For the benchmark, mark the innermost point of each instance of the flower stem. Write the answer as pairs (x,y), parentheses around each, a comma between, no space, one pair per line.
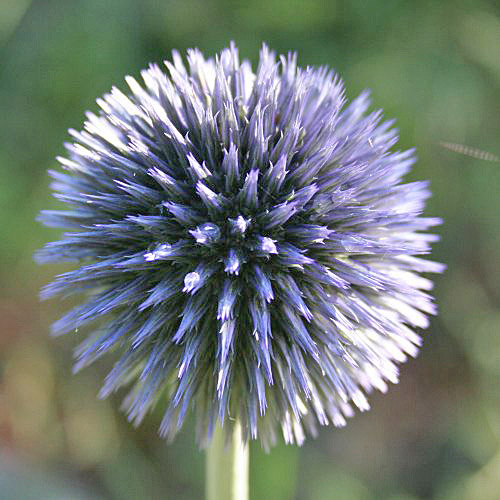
(227,467)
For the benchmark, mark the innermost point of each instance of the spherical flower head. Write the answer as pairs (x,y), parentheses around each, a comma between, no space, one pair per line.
(247,246)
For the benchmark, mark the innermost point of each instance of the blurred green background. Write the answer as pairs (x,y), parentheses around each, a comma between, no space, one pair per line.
(433,65)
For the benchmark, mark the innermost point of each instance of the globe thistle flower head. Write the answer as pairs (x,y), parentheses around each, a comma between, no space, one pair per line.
(246,246)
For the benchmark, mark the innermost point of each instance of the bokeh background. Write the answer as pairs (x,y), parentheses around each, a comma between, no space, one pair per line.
(435,66)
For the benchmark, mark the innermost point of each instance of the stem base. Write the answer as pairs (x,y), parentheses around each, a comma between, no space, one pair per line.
(227,467)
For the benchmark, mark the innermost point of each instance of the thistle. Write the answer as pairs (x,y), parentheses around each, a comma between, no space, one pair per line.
(246,245)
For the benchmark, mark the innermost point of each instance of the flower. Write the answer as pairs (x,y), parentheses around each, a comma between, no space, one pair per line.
(247,248)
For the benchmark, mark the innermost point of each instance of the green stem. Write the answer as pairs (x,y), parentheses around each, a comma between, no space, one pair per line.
(227,467)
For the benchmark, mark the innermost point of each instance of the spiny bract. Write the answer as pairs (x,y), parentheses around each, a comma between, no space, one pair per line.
(247,248)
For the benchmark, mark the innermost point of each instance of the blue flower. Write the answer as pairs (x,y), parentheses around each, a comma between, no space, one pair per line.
(246,246)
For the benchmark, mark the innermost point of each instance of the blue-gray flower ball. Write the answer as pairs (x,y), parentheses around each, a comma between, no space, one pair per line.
(246,246)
